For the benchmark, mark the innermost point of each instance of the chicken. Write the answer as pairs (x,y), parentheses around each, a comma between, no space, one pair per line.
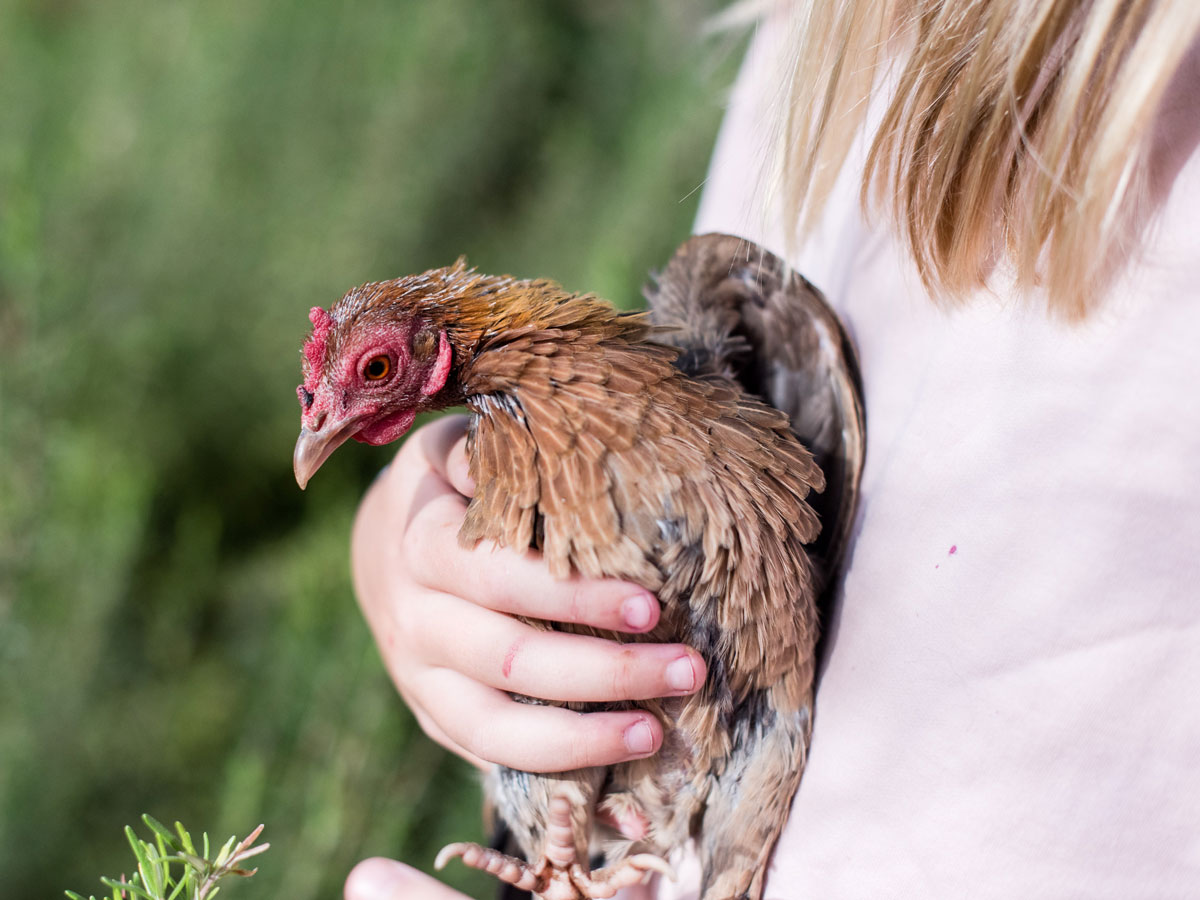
(615,454)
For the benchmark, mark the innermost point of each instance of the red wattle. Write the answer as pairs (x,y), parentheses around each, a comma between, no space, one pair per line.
(387,429)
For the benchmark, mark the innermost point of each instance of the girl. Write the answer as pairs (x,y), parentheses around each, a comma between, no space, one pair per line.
(1002,200)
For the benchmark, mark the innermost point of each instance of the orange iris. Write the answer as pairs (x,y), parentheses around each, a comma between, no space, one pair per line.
(378,368)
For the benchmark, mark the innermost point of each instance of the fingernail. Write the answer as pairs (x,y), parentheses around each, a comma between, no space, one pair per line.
(637,611)
(639,738)
(680,674)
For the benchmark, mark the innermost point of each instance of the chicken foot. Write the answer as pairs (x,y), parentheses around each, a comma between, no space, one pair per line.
(559,875)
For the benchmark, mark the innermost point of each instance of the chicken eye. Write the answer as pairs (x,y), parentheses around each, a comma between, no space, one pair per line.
(377,368)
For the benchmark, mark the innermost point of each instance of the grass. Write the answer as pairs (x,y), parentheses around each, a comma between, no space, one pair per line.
(179,183)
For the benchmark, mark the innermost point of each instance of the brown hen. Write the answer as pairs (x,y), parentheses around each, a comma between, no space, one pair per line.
(625,448)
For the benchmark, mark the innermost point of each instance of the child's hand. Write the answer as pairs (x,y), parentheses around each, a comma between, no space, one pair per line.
(385,879)
(438,613)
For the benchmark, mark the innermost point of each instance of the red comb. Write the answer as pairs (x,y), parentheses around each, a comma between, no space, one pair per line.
(314,347)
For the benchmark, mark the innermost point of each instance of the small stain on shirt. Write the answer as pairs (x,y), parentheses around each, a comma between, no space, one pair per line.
(953,549)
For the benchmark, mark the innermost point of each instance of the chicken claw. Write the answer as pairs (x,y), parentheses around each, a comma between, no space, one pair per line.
(559,874)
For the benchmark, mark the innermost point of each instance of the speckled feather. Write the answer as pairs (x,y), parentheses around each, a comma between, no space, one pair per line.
(617,455)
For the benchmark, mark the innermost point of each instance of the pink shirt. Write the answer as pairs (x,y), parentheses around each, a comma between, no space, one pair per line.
(1011,702)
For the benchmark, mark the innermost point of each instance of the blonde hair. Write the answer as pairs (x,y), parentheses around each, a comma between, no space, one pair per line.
(1013,129)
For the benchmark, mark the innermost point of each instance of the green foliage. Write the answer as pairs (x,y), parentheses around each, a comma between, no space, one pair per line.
(171,868)
(179,182)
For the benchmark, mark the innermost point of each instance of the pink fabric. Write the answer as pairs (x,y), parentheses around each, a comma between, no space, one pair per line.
(1011,704)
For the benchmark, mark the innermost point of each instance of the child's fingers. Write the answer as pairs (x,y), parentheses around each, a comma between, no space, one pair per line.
(533,738)
(518,583)
(502,652)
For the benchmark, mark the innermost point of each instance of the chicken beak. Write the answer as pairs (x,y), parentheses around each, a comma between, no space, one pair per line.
(314,447)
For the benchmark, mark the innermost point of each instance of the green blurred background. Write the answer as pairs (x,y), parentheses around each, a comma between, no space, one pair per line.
(179,183)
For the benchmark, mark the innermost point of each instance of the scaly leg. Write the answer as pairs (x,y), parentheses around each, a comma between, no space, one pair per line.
(559,875)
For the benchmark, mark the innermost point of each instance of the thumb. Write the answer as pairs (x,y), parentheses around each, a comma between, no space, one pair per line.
(444,444)
(386,879)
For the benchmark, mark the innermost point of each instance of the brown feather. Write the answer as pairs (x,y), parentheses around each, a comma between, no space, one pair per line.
(618,456)
(704,455)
